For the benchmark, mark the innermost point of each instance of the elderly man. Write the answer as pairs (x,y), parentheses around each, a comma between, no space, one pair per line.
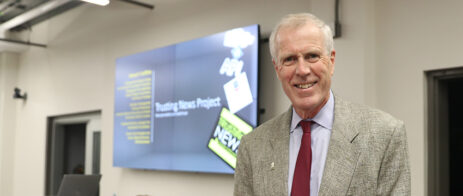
(322,145)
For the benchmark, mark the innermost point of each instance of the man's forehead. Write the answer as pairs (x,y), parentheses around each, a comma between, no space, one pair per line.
(304,35)
(297,26)
(301,34)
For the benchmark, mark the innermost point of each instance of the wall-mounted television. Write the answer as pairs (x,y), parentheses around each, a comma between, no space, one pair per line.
(185,107)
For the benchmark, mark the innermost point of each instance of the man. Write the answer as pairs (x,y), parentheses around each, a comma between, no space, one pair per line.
(351,149)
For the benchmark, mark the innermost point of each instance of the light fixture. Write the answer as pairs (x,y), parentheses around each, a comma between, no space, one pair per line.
(98,2)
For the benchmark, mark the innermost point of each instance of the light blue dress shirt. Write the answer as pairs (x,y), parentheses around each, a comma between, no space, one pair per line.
(321,127)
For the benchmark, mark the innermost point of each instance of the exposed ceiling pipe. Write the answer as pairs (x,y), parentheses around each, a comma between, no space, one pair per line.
(29,15)
(34,16)
(23,42)
(145,5)
(337,24)
(7,4)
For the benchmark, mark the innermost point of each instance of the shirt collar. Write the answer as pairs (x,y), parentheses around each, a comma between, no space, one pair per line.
(324,117)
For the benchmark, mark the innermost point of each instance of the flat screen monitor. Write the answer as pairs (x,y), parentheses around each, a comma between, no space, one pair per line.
(185,107)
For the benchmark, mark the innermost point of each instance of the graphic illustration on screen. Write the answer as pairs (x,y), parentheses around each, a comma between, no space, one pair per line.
(237,90)
(227,136)
(185,107)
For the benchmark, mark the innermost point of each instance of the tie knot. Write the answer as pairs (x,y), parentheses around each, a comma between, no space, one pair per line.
(305,126)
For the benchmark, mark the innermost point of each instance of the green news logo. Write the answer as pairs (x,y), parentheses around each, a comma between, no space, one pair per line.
(227,136)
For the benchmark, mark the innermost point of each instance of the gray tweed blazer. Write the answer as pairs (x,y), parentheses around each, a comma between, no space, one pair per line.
(367,155)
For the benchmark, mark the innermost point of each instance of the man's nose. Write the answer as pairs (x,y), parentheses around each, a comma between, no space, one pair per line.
(302,66)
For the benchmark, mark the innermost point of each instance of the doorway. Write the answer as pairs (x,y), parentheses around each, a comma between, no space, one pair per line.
(445,134)
(73,147)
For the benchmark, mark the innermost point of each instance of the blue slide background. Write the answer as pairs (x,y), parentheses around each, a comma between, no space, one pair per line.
(184,71)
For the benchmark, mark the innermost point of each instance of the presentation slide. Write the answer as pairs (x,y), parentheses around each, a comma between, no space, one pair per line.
(185,107)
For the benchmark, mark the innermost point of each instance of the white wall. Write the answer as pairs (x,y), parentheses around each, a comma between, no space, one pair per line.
(8,80)
(385,47)
(414,36)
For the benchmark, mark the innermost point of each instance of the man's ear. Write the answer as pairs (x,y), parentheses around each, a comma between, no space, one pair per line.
(276,67)
(332,59)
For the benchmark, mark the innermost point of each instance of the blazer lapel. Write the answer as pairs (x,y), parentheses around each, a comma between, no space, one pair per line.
(277,182)
(342,154)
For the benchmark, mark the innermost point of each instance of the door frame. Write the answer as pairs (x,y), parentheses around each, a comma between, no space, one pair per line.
(55,127)
(437,120)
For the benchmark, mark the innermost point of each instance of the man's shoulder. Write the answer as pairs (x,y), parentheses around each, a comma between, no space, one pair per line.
(365,114)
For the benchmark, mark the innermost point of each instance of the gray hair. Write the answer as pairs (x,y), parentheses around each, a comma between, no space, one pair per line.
(298,20)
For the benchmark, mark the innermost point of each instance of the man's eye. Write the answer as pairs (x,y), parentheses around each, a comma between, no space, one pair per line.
(312,57)
(289,60)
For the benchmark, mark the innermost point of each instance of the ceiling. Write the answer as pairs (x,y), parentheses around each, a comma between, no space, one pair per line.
(19,15)
(16,9)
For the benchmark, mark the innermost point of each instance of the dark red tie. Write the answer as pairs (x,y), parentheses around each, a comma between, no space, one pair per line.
(301,178)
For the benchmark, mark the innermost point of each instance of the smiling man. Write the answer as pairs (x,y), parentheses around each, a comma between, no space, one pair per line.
(322,145)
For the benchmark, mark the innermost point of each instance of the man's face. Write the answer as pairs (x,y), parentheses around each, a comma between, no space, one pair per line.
(304,68)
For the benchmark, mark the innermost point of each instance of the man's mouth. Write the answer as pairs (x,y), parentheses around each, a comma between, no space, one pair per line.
(304,86)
